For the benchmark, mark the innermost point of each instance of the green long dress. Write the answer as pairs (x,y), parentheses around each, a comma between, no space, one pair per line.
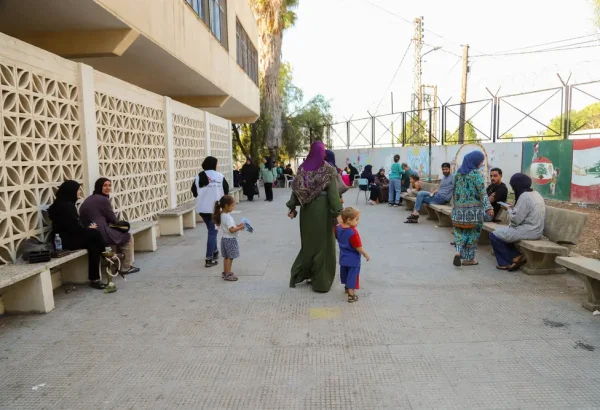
(317,259)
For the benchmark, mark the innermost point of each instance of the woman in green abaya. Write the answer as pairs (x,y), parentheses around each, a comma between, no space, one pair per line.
(315,190)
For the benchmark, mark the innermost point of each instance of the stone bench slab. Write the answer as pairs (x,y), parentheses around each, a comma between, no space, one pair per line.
(144,236)
(174,221)
(180,210)
(545,247)
(589,271)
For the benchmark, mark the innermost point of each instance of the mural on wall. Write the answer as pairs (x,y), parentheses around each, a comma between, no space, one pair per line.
(549,163)
(467,149)
(378,158)
(418,160)
(585,180)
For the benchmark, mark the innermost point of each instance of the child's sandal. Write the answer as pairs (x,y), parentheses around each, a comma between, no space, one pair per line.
(352,298)
(230,277)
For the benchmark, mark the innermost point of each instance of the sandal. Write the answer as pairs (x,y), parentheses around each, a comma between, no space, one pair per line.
(502,267)
(352,298)
(230,277)
(456,261)
(410,220)
(517,265)
(345,290)
(471,263)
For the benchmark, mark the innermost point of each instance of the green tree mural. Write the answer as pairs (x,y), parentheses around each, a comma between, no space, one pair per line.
(540,171)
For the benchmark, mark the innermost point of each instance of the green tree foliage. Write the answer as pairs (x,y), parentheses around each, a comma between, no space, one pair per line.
(470,135)
(587,118)
(301,123)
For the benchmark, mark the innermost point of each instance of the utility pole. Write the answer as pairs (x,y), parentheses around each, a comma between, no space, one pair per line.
(416,103)
(463,95)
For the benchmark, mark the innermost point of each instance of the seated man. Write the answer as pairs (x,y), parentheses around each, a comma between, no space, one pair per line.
(440,196)
(288,170)
(405,183)
(497,192)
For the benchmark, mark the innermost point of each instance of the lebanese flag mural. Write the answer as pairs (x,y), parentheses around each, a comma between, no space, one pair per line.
(585,181)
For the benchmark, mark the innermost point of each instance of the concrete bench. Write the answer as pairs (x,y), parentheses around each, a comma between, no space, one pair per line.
(29,288)
(562,229)
(174,221)
(443,213)
(144,236)
(410,200)
(236,193)
(589,271)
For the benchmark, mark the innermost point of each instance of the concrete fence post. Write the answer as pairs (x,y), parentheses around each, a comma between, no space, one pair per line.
(170,150)
(89,136)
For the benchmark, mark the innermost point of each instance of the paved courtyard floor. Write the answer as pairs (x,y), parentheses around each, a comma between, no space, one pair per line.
(424,334)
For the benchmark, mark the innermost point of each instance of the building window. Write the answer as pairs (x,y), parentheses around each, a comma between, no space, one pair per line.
(214,14)
(247,57)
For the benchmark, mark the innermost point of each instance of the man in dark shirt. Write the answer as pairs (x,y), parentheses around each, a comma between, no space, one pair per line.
(497,191)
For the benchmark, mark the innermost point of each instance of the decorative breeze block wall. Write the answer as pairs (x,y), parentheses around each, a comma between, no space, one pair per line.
(190,150)
(40,148)
(132,154)
(220,140)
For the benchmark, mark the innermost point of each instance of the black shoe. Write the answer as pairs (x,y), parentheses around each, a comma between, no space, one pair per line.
(210,263)
(97,285)
(132,269)
(215,255)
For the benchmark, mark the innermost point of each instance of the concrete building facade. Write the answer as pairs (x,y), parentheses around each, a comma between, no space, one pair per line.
(136,91)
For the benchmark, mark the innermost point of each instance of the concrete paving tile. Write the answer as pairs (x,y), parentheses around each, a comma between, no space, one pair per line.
(424,335)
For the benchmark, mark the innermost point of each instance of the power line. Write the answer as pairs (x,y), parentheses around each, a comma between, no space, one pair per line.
(394,77)
(564,48)
(546,44)
(411,22)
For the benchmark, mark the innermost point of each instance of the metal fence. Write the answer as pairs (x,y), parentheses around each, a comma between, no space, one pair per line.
(553,113)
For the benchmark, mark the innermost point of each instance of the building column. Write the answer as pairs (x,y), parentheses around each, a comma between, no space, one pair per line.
(207,132)
(230,153)
(89,137)
(170,146)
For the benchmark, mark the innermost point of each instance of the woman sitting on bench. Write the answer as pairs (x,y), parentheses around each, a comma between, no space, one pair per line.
(74,236)
(526,222)
(97,209)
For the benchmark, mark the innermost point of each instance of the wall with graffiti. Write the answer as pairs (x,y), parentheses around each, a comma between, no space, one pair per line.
(506,156)
(548,163)
(560,170)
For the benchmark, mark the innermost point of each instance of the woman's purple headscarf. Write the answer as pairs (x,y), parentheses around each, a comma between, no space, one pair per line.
(315,158)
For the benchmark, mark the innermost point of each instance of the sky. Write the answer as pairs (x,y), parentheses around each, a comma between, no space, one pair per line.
(349,50)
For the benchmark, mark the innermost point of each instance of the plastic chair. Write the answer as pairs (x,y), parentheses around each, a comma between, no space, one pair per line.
(288,180)
(363,186)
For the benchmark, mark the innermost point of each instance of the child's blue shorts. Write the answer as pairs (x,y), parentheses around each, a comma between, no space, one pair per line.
(350,276)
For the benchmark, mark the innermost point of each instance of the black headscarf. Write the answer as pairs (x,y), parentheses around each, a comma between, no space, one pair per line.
(520,183)
(249,171)
(209,164)
(368,173)
(269,164)
(63,212)
(99,185)
(67,191)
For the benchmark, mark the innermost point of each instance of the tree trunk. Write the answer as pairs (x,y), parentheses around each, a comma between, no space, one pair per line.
(270,28)
(236,134)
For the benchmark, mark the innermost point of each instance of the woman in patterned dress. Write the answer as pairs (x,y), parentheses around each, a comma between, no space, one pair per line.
(470,204)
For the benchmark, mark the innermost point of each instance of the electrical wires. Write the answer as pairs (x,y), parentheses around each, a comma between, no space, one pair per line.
(394,77)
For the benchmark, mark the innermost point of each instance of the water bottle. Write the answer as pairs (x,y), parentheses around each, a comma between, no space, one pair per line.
(57,243)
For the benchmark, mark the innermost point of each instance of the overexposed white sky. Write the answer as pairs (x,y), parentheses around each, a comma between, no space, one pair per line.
(348,50)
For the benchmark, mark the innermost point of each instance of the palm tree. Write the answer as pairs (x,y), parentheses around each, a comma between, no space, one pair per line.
(273,17)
